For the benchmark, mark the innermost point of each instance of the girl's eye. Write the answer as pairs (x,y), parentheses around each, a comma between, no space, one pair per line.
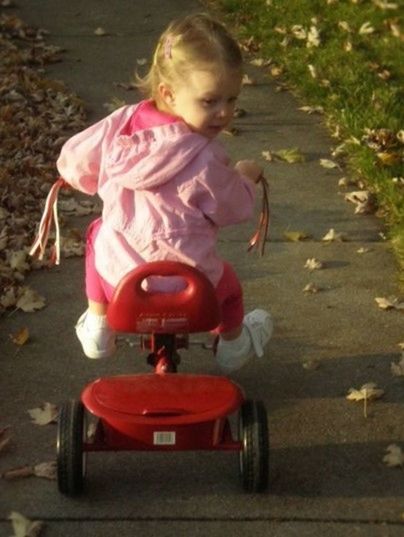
(208,102)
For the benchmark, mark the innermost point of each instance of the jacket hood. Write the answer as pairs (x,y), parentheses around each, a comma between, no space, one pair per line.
(152,157)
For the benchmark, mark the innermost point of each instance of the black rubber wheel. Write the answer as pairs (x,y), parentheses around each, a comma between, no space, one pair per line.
(254,455)
(71,459)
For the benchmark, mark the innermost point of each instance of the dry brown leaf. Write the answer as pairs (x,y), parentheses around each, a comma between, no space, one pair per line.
(394,456)
(296,236)
(312,109)
(366,29)
(311,288)
(327,163)
(364,201)
(291,155)
(20,337)
(389,158)
(231,131)
(332,235)
(4,438)
(388,303)
(100,32)
(29,300)
(47,470)
(23,527)
(48,413)
(313,37)
(397,368)
(267,156)
(18,473)
(368,391)
(313,264)
(248,81)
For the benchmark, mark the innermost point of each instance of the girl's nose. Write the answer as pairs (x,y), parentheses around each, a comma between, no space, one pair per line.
(223,110)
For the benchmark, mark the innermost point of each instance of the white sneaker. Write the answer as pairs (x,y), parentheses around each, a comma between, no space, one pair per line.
(257,331)
(260,327)
(96,337)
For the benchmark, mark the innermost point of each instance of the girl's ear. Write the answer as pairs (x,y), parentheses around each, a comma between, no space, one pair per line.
(166,94)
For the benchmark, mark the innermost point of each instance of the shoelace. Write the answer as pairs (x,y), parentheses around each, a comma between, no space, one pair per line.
(49,217)
(260,236)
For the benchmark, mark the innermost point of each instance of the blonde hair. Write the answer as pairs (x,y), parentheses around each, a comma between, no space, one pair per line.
(187,43)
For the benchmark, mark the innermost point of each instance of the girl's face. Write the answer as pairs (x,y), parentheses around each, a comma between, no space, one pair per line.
(205,99)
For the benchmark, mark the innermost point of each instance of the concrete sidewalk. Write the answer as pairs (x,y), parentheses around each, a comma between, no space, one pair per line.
(327,474)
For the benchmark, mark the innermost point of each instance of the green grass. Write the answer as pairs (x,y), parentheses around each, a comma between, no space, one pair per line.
(358,82)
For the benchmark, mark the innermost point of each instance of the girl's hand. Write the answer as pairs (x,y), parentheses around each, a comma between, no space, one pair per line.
(250,169)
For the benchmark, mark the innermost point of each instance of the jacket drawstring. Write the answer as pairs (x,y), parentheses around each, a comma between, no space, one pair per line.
(49,216)
(260,236)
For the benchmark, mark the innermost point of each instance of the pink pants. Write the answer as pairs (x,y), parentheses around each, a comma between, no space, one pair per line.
(228,291)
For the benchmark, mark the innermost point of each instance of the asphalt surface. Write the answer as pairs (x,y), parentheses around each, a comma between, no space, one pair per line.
(327,475)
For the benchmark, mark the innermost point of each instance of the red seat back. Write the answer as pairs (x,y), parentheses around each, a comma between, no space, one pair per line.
(193,309)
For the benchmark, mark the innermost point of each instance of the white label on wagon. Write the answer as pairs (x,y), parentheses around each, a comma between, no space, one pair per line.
(164,438)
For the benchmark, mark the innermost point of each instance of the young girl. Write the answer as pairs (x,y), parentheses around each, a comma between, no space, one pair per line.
(167,186)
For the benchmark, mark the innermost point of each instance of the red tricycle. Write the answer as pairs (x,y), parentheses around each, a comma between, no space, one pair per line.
(163,410)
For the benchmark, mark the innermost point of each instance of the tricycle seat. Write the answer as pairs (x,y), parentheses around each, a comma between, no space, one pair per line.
(179,399)
(135,309)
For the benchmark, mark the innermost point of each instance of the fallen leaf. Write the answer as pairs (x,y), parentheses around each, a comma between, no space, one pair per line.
(368,391)
(4,438)
(327,163)
(23,527)
(365,202)
(267,156)
(29,300)
(389,158)
(232,131)
(384,4)
(299,32)
(20,337)
(47,470)
(260,62)
(366,29)
(46,414)
(388,303)
(394,456)
(345,181)
(344,26)
(397,368)
(312,70)
(311,288)
(312,109)
(248,81)
(100,32)
(291,155)
(313,264)
(295,236)
(17,473)
(332,235)
(313,37)
(363,250)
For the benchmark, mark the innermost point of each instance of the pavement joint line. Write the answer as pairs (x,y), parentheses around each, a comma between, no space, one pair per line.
(282,520)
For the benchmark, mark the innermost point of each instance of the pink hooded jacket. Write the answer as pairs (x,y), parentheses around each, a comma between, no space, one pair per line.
(165,190)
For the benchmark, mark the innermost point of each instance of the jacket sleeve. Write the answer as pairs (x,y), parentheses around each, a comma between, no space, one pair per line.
(81,156)
(224,195)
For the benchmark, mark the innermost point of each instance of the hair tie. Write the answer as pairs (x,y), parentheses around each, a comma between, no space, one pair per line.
(168,45)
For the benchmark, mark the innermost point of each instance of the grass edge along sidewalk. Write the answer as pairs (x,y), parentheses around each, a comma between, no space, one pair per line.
(343,58)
